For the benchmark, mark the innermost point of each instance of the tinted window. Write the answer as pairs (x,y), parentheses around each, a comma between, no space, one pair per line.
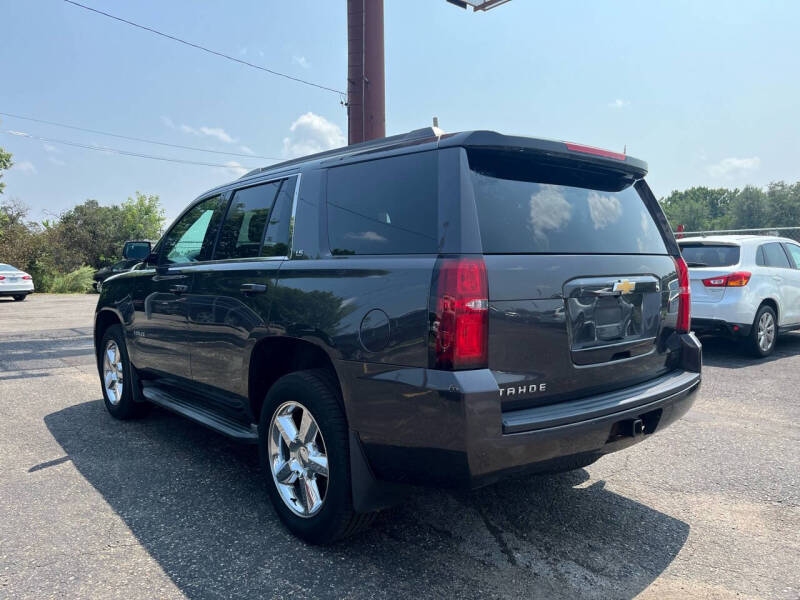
(794,252)
(248,215)
(760,260)
(5,267)
(191,239)
(775,256)
(384,206)
(276,241)
(710,255)
(518,215)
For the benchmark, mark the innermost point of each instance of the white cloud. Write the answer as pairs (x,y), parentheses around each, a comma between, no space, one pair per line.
(215,132)
(56,161)
(619,104)
(301,60)
(168,122)
(187,129)
(604,210)
(236,169)
(728,167)
(25,166)
(246,150)
(52,149)
(312,133)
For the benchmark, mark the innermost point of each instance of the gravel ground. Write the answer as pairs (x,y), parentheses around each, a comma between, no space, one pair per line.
(162,508)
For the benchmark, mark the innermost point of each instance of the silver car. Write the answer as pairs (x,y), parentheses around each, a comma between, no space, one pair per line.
(14,282)
(745,286)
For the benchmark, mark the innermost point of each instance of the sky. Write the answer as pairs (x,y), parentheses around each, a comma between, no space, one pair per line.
(706,92)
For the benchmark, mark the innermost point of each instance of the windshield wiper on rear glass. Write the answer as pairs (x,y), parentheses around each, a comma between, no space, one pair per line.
(696,264)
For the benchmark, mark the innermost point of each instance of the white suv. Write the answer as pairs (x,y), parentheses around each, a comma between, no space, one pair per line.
(744,286)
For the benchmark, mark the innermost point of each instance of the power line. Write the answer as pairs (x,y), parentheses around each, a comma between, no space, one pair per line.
(204,49)
(107,149)
(136,139)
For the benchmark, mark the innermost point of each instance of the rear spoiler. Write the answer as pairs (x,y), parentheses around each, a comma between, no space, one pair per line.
(490,140)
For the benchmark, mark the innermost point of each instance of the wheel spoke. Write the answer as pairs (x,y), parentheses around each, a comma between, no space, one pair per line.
(110,354)
(318,464)
(284,473)
(286,426)
(309,494)
(308,428)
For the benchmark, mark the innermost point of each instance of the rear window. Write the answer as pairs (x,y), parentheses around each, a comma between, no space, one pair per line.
(525,208)
(385,206)
(709,255)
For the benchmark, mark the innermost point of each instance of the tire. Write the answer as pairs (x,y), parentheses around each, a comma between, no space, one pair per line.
(125,404)
(761,342)
(291,397)
(20,297)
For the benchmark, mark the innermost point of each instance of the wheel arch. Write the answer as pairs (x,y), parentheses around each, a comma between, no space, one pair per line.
(773,304)
(105,318)
(274,357)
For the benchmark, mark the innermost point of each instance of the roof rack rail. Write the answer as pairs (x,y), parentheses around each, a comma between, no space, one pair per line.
(417,134)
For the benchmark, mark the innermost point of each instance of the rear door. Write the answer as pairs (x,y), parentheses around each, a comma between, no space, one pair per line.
(231,295)
(782,274)
(793,288)
(582,289)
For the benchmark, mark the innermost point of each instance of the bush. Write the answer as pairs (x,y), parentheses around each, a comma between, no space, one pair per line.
(78,281)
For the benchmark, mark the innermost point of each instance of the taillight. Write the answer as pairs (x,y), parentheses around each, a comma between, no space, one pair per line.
(684,322)
(27,277)
(2,277)
(737,279)
(461,326)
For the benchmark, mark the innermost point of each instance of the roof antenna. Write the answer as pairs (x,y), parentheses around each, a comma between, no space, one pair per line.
(436,129)
(625,149)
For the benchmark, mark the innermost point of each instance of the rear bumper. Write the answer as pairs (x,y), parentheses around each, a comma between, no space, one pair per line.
(16,289)
(720,327)
(447,428)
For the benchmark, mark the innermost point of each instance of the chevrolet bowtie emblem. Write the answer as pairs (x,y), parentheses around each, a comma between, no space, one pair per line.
(624,286)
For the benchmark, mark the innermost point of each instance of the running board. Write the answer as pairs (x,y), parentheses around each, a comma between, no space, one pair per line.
(202,415)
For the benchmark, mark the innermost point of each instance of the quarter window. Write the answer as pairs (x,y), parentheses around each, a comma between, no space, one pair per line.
(386,206)
(191,239)
(775,256)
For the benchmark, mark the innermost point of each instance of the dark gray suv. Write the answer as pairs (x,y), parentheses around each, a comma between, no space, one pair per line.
(421,309)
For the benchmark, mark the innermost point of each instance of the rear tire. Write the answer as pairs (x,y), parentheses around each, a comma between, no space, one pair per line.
(764,333)
(20,297)
(118,377)
(282,417)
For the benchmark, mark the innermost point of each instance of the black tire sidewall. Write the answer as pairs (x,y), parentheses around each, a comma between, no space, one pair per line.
(756,349)
(20,297)
(304,387)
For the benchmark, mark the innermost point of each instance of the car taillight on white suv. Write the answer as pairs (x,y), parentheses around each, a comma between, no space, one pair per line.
(737,279)
(461,304)
(684,321)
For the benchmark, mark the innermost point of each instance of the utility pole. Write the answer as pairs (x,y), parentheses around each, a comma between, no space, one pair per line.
(366,81)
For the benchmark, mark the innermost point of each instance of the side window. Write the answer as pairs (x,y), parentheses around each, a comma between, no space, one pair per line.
(386,206)
(760,260)
(243,229)
(192,238)
(794,252)
(279,229)
(775,256)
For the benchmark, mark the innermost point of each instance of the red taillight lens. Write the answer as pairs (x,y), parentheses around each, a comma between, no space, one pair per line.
(684,322)
(461,326)
(27,277)
(2,277)
(737,279)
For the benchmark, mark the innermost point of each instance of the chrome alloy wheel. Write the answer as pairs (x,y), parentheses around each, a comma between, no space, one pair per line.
(766,331)
(297,459)
(113,377)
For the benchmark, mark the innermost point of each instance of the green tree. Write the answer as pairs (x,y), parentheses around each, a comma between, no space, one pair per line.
(5,164)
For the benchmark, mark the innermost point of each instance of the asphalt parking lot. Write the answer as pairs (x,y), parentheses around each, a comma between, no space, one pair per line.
(162,508)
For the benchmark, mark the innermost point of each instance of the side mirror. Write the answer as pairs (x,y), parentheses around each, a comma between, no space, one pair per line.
(139,250)
(152,258)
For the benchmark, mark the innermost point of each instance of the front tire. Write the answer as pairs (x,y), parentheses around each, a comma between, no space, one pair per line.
(304,448)
(764,333)
(118,377)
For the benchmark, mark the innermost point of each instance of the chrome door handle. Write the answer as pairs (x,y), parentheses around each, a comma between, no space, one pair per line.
(178,289)
(252,288)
